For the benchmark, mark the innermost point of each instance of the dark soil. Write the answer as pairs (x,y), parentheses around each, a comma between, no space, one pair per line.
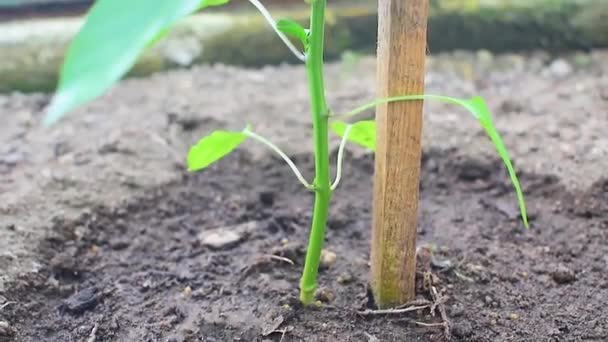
(138,272)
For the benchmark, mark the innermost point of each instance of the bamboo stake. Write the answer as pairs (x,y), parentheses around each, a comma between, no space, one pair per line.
(401,58)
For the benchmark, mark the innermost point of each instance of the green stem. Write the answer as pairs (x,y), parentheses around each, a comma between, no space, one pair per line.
(314,68)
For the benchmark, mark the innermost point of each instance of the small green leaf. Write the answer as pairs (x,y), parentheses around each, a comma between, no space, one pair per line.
(114,33)
(361,132)
(212,148)
(291,28)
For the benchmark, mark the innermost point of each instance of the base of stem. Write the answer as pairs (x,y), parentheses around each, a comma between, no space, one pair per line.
(307,296)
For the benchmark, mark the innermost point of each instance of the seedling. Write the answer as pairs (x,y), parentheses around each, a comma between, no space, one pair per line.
(116,32)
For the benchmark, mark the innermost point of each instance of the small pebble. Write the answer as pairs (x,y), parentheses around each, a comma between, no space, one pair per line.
(560,68)
(514,317)
(227,237)
(328,258)
(563,275)
(220,238)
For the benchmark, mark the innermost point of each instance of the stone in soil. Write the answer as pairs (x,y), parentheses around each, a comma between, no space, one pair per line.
(226,237)
(82,300)
(328,258)
(563,275)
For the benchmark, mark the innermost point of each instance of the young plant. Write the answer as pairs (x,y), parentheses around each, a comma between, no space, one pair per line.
(116,32)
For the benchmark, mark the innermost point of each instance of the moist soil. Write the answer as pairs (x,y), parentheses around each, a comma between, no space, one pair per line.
(140,272)
(107,251)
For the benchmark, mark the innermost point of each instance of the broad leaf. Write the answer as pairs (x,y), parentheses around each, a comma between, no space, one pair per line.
(213,148)
(293,29)
(362,132)
(114,33)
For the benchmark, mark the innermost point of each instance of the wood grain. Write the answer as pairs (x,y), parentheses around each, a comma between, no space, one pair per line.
(401,57)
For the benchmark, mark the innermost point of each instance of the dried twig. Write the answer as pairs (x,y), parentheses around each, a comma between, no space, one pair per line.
(369,312)
(429,324)
(280,258)
(439,305)
(6,304)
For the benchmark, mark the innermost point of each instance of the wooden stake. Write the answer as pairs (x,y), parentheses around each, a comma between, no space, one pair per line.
(401,56)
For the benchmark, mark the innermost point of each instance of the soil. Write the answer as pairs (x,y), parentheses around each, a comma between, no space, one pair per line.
(97,247)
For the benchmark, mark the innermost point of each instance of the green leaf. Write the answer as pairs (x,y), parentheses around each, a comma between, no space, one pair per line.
(212,148)
(361,132)
(293,29)
(114,33)
(209,3)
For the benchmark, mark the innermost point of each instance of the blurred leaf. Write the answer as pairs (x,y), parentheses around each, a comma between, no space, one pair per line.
(362,132)
(187,5)
(209,3)
(293,29)
(213,148)
(114,33)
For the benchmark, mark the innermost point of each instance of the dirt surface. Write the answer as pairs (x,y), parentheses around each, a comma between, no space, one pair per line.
(101,227)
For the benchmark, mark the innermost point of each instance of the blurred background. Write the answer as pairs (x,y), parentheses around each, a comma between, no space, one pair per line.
(35,33)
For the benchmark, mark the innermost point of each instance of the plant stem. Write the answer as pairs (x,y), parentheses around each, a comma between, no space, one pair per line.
(314,68)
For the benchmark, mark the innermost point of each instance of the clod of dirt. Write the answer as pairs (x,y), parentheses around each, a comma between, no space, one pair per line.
(328,258)
(563,275)
(226,237)
(344,278)
(462,329)
(82,301)
(119,244)
(267,198)
(472,170)
(325,295)
(6,329)
(65,264)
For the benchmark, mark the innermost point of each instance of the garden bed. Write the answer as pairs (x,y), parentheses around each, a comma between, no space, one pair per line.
(103,231)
